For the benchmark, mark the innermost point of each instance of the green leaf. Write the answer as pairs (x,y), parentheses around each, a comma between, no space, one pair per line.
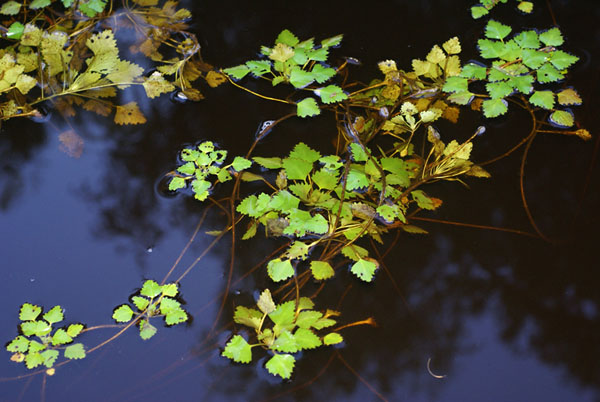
(237,72)
(494,107)
(140,302)
(54,315)
(562,118)
(388,212)
(35,346)
(151,289)
(247,316)
(187,168)
(200,188)
(285,342)
(461,98)
(175,316)
(323,323)
(543,99)
(33,360)
(498,90)
(325,180)
(356,179)
(333,41)
(304,152)
(354,252)
(297,169)
(547,73)
(496,30)
(300,78)
(525,7)
(473,71)
(281,365)
(254,206)
(74,329)
(269,163)
(176,183)
(123,313)
(423,201)
(318,54)
(307,319)
(29,312)
(238,350)
(170,289)
(332,339)
(240,163)
(49,357)
(259,67)
(321,270)
(358,153)
(284,314)
(10,8)
(75,351)
(147,330)
(67,3)
(297,251)
(19,344)
(37,4)
(307,107)
(61,337)
(562,60)
(364,269)
(265,302)
(288,38)
(552,37)
(280,270)
(37,328)
(478,11)
(528,40)
(490,49)
(322,74)
(533,58)
(284,201)
(523,83)
(331,94)
(306,339)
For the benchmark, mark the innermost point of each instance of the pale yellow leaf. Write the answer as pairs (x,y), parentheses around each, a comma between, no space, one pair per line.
(32,35)
(453,66)
(25,83)
(156,85)
(98,107)
(452,46)
(569,97)
(387,66)
(281,52)
(436,55)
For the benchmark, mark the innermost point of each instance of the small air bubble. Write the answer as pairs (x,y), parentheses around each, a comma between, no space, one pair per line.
(480,130)
(383,112)
(149,250)
(178,97)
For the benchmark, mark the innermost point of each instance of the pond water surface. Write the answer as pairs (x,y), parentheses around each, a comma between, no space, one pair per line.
(501,316)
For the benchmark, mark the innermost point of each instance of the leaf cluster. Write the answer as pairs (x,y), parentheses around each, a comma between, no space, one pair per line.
(485,6)
(40,340)
(294,327)
(153,300)
(299,63)
(519,65)
(200,163)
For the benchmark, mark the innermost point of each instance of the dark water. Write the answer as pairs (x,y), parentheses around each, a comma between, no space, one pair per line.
(504,317)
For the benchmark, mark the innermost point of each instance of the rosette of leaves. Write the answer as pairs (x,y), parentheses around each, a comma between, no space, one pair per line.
(485,6)
(290,329)
(519,65)
(200,163)
(41,341)
(153,300)
(299,63)
(329,198)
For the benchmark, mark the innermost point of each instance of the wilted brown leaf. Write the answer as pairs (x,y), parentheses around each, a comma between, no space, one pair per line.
(214,79)
(71,143)
(129,113)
